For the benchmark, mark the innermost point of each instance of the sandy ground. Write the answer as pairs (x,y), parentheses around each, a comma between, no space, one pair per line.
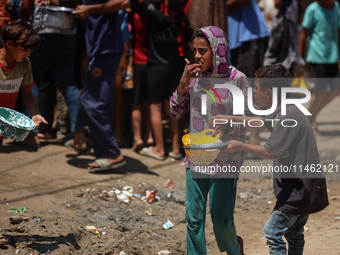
(62,198)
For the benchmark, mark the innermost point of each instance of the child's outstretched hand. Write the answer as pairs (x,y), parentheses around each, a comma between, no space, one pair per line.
(37,119)
(221,124)
(233,146)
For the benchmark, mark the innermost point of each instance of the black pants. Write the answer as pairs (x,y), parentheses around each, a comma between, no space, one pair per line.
(249,56)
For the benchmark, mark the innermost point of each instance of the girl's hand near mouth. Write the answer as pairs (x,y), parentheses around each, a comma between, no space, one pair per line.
(190,71)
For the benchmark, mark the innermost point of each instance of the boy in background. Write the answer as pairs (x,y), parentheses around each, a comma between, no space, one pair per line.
(299,192)
(15,68)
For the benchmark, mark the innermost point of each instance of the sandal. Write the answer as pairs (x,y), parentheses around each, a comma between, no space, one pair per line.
(3,240)
(104,164)
(148,152)
(175,156)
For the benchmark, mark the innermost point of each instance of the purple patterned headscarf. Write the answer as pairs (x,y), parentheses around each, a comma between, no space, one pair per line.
(219,45)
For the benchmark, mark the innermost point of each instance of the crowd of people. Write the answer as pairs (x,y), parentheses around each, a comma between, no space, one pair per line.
(144,46)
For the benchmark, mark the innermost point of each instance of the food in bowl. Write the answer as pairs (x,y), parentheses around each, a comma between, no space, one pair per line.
(201,156)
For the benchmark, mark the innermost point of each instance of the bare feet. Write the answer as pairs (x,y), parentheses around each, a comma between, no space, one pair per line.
(158,152)
(31,141)
(79,141)
(150,141)
(137,145)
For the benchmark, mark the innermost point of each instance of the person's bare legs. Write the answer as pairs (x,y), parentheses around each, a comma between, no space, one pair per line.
(174,129)
(136,119)
(157,128)
(148,128)
(79,141)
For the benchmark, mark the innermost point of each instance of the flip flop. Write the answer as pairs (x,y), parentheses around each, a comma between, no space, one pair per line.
(148,152)
(104,164)
(3,240)
(175,156)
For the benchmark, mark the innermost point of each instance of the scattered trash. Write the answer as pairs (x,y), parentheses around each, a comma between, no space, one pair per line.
(122,196)
(243,195)
(18,210)
(93,229)
(164,252)
(269,202)
(17,219)
(169,184)
(168,224)
(151,195)
(337,218)
(137,195)
(17,250)
(149,212)
(128,189)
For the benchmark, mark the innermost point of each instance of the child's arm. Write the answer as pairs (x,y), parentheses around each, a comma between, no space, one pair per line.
(257,150)
(82,11)
(32,106)
(180,100)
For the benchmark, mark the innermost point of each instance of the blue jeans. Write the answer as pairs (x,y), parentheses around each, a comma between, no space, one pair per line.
(57,53)
(96,99)
(288,225)
(222,195)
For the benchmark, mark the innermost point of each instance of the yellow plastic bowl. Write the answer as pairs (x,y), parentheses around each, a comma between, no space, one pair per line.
(201,157)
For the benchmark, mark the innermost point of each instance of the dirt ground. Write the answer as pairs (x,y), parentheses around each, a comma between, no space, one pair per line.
(62,197)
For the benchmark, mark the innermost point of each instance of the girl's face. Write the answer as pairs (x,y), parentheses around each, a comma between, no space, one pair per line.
(203,54)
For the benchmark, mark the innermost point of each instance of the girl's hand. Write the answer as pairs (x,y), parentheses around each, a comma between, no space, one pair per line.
(190,71)
(37,119)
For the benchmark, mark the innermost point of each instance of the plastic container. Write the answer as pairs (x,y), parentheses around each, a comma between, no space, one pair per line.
(203,156)
(14,125)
